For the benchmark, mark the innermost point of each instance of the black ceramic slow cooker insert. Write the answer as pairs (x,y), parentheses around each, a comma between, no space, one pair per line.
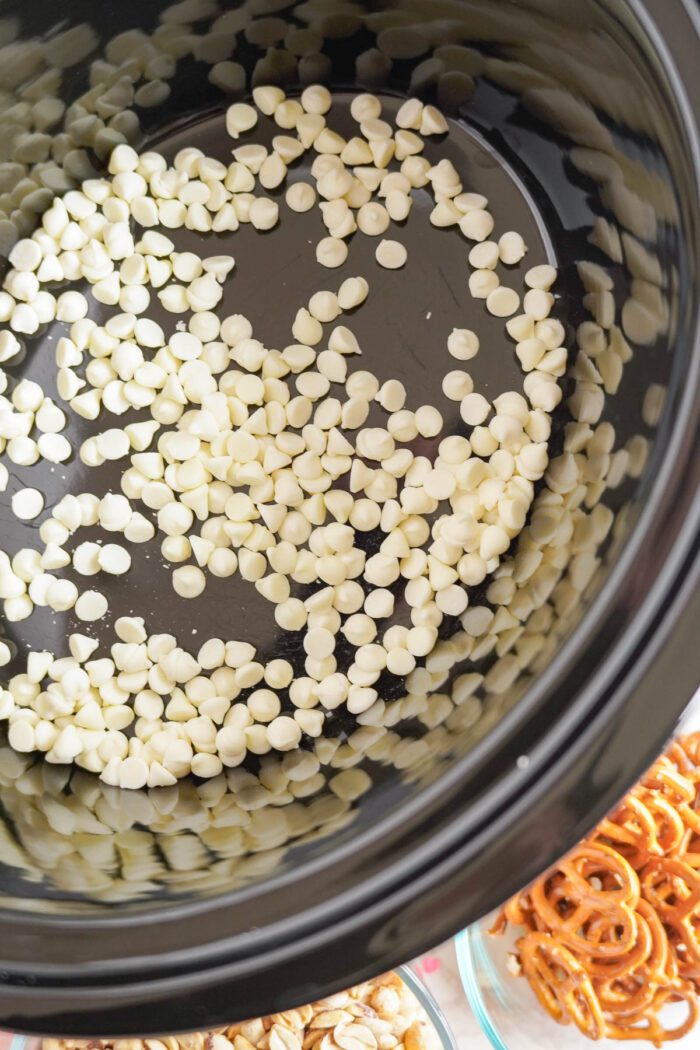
(139,912)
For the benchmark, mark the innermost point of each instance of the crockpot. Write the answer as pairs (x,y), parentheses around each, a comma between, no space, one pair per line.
(143,912)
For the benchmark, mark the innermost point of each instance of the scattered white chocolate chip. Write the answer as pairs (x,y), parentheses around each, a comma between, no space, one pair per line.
(331,252)
(502,301)
(91,605)
(300,196)
(27,504)
(463,344)
(391,255)
(240,117)
(511,248)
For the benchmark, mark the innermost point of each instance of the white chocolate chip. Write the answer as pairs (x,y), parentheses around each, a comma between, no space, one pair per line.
(331,252)
(27,504)
(463,344)
(91,605)
(240,118)
(391,255)
(300,196)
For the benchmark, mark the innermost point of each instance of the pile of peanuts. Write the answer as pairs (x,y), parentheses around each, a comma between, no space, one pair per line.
(381,1014)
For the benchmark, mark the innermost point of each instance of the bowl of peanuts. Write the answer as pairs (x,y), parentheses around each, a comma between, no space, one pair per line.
(394,1011)
(605,942)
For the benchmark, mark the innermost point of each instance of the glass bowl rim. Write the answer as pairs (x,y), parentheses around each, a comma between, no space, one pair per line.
(467,943)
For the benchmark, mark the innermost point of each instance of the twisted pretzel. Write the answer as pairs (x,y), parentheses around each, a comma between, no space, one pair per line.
(647,951)
(670,828)
(569,906)
(561,983)
(683,755)
(689,848)
(649,1026)
(672,887)
(632,831)
(665,778)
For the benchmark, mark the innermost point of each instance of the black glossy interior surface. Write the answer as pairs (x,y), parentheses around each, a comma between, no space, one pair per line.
(125,912)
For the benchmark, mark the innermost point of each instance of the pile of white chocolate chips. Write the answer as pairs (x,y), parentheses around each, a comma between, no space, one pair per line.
(258,461)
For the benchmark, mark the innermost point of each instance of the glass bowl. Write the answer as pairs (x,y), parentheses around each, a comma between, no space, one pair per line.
(10,1041)
(507,1010)
(427,1000)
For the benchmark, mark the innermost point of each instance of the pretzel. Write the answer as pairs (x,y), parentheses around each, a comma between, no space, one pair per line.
(660,966)
(561,983)
(645,949)
(689,848)
(613,930)
(684,755)
(670,828)
(682,788)
(672,887)
(688,968)
(584,904)
(663,777)
(648,1025)
(690,745)
(632,831)
(624,1000)
(517,912)
(627,991)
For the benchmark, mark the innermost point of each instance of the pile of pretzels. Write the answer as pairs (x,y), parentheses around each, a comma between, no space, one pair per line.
(613,930)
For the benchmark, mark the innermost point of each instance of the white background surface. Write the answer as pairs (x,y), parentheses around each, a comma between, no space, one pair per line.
(439,972)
